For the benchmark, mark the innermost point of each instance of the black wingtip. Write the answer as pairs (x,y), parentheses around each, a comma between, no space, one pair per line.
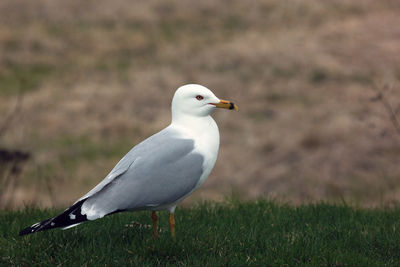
(26,231)
(69,217)
(34,228)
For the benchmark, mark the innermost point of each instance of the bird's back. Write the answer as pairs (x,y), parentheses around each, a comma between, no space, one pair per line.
(156,172)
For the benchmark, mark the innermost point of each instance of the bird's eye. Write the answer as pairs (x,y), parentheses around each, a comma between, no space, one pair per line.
(199,97)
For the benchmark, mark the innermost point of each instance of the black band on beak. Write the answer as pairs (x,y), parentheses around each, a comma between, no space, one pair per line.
(226,104)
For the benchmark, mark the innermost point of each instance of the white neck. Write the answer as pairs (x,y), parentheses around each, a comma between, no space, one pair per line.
(188,120)
(202,129)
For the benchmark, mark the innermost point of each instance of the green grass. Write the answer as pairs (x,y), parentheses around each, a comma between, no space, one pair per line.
(236,234)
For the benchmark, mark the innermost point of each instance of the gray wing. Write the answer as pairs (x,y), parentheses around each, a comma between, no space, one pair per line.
(158,171)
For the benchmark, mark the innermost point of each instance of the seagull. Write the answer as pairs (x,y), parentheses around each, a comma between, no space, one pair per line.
(158,173)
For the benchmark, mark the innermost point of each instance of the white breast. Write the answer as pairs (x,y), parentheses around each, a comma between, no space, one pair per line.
(204,131)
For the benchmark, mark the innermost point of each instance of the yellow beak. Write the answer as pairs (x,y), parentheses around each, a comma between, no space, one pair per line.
(226,104)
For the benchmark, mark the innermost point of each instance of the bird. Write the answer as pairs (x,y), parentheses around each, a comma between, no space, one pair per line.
(158,173)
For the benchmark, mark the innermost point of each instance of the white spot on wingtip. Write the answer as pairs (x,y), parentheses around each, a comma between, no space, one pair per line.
(52,224)
(72,216)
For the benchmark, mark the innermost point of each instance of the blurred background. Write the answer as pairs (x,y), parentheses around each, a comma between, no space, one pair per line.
(81,82)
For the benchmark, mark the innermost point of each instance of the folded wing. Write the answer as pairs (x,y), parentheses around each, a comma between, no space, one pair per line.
(159,171)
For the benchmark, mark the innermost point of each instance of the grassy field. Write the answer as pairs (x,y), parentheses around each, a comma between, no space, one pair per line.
(81,82)
(95,78)
(232,234)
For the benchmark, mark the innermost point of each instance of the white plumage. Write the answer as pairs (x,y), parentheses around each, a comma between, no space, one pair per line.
(161,171)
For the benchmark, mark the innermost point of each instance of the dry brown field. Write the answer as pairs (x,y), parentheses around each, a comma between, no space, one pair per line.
(81,82)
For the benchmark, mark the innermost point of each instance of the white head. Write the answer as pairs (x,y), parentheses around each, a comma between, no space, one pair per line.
(197,101)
